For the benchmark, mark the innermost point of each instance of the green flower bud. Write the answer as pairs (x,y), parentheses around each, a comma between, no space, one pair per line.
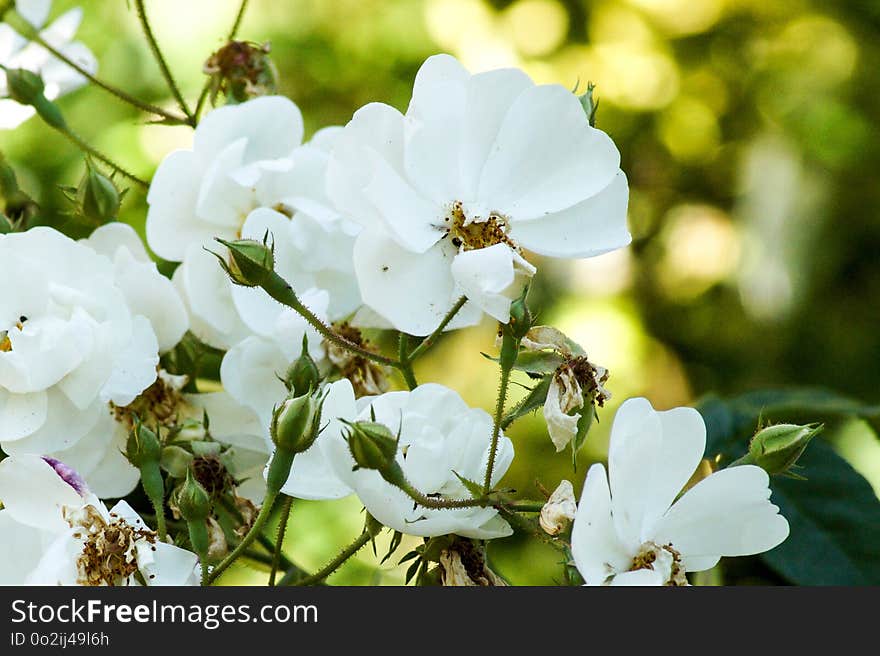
(372,445)
(143,446)
(26,87)
(303,374)
(250,261)
(776,449)
(296,423)
(97,198)
(520,316)
(193,500)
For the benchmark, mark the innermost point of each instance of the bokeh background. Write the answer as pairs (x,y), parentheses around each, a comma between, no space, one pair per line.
(748,130)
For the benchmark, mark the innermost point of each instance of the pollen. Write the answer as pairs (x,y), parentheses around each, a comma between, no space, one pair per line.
(109,553)
(5,341)
(159,404)
(473,233)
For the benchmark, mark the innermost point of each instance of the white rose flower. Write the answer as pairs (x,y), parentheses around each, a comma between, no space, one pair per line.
(17,52)
(56,532)
(248,174)
(638,533)
(76,340)
(441,438)
(479,168)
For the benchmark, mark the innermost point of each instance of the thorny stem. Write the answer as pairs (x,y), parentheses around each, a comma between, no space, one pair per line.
(496,428)
(330,567)
(163,65)
(440,503)
(238,18)
(203,96)
(23,26)
(279,542)
(282,292)
(428,342)
(406,366)
(97,154)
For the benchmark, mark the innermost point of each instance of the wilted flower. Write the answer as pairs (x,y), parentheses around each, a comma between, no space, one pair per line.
(441,438)
(559,510)
(17,52)
(464,564)
(450,194)
(638,533)
(56,532)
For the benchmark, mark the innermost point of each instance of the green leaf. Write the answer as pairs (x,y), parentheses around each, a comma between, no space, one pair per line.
(585,422)
(533,400)
(835,523)
(475,489)
(730,423)
(395,543)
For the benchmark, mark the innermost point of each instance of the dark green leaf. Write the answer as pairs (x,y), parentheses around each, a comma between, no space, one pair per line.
(532,401)
(835,523)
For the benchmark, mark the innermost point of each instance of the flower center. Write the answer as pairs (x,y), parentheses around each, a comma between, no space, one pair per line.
(212,474)
(590,378)
(159,404)
(661,558)
(367,378)
(5,342)
(477,232)
(109,553)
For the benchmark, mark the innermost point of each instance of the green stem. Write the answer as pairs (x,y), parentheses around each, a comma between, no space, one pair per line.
(525,506)
(266,542)
(281,291)
(238,18)
(330,567)
(406,366)
(97,154)
(163,65)
(496,429)
(279,542)
(27,30)
(241,547)
(428,342)
(438,503)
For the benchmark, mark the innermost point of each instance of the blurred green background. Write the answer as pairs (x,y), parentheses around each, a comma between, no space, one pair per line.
(748,130)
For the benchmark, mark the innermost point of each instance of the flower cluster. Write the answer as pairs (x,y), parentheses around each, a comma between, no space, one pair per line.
(409,224)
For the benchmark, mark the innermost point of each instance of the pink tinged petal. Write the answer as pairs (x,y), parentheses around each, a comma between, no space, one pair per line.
(21,415)
(272,126)
(595,545)
(20,549)
(726,514)
(594,226)
(639,578)
(489,97)
(412,220)
(172,225)
(34,494)
(375,130)
(546,156)
(635,446)
(412,291)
